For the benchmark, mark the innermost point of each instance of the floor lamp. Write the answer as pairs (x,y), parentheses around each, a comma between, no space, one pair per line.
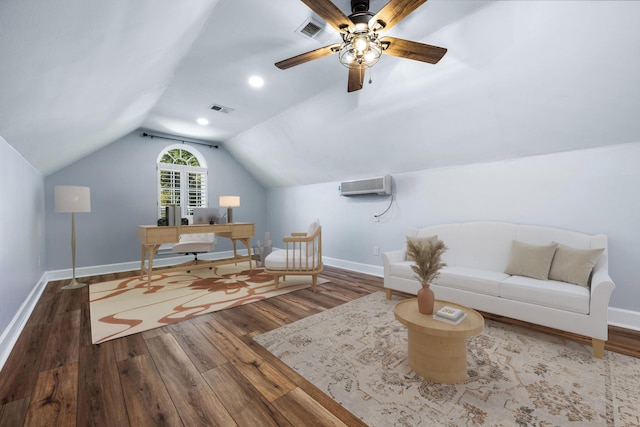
(71,198)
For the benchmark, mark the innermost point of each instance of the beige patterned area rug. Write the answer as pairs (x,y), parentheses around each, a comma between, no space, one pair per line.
(357,354)
(127,306)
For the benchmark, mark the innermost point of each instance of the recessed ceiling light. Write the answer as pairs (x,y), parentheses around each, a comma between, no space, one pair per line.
(202,121)
(256,81)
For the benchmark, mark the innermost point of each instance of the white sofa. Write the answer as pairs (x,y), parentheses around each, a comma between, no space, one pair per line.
(478,255)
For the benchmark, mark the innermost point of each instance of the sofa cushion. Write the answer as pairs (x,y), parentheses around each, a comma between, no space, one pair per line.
(279,260)
(471,279)
(573,265)
(448,233)
(548,293)
(424,241)
(313,227)
(530,260)
(402,269)
(484,245)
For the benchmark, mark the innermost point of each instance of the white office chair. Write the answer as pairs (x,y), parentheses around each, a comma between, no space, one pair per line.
(195,244)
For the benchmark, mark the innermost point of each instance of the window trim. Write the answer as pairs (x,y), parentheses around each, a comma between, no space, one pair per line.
(184,171)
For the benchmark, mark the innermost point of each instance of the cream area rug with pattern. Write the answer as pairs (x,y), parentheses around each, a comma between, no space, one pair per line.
(127,306)
(357,354)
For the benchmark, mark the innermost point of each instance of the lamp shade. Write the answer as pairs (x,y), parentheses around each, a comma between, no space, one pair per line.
(229,201)
(71,198)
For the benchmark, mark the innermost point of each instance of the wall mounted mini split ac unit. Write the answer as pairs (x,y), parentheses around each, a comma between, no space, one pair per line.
(374,186)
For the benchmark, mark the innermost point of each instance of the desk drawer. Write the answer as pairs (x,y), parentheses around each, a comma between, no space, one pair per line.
(159,235)
(241,230)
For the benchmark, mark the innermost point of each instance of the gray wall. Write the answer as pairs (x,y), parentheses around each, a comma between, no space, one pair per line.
(22,256)
(592,191)
(122,177)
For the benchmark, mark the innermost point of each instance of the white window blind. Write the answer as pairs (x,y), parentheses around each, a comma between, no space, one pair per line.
(181,181)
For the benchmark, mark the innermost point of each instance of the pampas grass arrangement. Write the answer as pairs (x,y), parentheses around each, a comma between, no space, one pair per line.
(427,259)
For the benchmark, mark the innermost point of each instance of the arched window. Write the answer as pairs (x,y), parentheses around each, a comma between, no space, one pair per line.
(182,179)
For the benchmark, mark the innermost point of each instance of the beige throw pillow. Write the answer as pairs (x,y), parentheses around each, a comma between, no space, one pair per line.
(423,241)
(530,260)
(573,265)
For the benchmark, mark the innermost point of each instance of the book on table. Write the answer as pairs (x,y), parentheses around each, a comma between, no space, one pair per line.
(450,315)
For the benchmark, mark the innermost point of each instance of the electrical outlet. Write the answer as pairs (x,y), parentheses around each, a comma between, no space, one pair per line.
(376,251)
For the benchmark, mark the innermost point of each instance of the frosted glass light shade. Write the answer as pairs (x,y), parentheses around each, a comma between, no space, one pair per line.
(229,201)
(72,198)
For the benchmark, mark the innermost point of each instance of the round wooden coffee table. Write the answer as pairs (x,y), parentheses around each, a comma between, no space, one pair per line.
(438,350)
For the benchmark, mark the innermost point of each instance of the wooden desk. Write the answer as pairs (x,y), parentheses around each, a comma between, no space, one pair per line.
(152,236)
(438,350)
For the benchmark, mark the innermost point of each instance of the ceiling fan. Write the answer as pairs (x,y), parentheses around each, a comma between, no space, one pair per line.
(362,45)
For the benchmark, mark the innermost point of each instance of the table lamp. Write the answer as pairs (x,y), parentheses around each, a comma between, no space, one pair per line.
(229,202)
(71,198)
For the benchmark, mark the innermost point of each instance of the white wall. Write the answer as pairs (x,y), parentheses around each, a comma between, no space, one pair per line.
(592,191)
(22,256)
(123,181)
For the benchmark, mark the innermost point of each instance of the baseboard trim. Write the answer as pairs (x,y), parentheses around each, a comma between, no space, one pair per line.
(373,270)
(12,332)
(97,270)
(622,318)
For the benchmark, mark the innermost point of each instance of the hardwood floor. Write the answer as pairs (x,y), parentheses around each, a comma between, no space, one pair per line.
(200,372)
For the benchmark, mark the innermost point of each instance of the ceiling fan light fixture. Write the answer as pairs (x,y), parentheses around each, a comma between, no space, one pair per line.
(363,48)
(361,43)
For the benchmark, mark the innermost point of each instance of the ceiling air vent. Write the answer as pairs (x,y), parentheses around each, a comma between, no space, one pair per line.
(310,28)
(221,108)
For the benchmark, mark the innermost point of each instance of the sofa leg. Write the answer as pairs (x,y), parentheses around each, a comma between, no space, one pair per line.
(276,281)
(388,292)
(598,348)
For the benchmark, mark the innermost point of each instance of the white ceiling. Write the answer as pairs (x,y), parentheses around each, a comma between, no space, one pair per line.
(520,78)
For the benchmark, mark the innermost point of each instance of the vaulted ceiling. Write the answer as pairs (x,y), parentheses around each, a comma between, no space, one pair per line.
(520,78)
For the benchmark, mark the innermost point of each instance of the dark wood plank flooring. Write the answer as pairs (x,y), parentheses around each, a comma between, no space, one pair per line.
(204,371)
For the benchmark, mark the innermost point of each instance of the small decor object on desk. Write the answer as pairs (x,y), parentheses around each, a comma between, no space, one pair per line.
(262,251)
(450,315)
(172,214)
(427,258)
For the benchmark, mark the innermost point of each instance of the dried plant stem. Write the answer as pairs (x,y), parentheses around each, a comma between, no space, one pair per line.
(427,260)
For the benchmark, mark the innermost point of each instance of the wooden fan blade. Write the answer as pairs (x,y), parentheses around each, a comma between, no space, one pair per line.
(308,56)
(356,77)
(413,50)
(330,13)
(394,11)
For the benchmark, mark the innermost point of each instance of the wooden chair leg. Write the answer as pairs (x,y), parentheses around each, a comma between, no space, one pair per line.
(388,292)
(314,280)
(276,281)
(598,348)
